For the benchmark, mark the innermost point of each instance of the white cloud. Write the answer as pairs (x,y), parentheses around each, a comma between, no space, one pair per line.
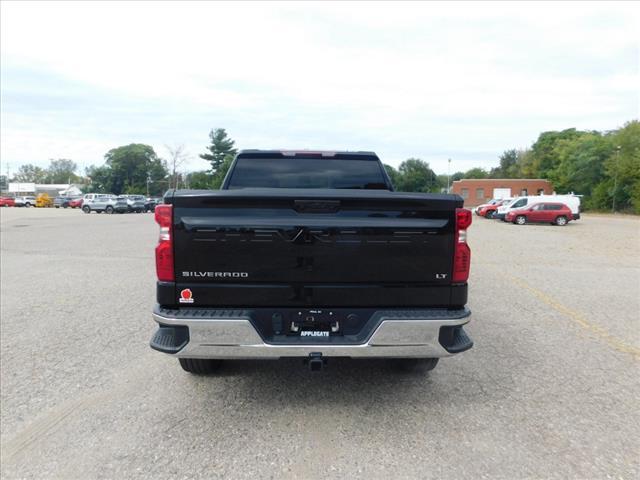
(404,79)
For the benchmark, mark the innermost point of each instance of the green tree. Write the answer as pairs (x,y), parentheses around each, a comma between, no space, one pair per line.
(62,171)
(585,162)
(545,156)
(99,179)
(133,168)
(456,176)
(476,172)
(30,174)
(415,175)
(580,163)
(218,176)
(221,147)
(623,169)
(508,165)
(394,175)
(201,180)
(526,166)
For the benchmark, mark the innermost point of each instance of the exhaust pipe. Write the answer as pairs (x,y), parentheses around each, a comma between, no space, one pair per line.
(316,362)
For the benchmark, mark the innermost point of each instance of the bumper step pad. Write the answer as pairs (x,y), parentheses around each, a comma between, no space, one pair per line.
(170,339)
(455,339)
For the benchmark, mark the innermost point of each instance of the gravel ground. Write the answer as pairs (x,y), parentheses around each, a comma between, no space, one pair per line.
(550,390)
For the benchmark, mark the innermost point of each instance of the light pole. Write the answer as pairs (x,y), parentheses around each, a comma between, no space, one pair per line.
(615,180)
(448,174)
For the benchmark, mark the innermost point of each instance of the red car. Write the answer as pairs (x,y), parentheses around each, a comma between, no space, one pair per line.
(76,203)
(7,202)
(490,209)
(553,213)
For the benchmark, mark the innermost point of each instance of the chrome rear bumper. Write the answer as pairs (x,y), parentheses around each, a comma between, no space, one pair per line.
(231,335)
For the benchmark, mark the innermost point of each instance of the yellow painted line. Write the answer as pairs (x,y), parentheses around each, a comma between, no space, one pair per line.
(575,317)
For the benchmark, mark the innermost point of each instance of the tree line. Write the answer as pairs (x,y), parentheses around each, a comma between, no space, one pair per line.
(602,166)
(62,170)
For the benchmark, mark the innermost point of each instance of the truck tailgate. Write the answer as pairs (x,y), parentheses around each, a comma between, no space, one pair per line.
(305,247)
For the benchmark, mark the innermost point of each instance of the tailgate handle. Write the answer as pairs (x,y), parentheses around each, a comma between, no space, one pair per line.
(316,206)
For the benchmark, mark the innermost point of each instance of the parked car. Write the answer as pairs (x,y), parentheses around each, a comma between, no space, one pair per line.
(572,201)
(490,202)
(76,203)
(121,205)
(7,202)
(99,202)
(25,201)
(553,213)
(61,202)
(489,210)
(136,203)
(151,203)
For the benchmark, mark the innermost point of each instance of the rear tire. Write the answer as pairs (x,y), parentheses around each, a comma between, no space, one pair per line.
(86,209)
(109,209)
(520,220)
(489,214)
(561,221)
(414,365)
(200,366)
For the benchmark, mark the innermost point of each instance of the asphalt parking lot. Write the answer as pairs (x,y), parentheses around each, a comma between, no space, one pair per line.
(551,388)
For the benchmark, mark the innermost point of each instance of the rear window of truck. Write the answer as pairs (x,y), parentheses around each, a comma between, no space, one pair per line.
(307,173)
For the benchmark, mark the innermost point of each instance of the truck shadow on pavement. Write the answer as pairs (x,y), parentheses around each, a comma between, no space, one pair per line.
(342,382)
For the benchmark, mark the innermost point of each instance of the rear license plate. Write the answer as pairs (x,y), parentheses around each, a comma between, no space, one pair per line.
(315,323)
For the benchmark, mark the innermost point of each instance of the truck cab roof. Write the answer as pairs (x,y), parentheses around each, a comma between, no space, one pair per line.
(344,154)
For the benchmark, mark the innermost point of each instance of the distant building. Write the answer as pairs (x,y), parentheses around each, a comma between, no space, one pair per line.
(52,189)
(476,191)
(24,188)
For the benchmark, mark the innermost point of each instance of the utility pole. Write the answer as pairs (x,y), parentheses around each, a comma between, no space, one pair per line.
(615,180)
(448,174)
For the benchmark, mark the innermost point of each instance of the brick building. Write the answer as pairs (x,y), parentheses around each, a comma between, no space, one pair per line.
(478,191)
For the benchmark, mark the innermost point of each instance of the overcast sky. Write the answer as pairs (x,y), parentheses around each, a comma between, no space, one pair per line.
(434,81)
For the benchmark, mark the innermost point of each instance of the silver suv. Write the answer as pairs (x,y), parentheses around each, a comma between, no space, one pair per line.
(136,203)
(99,202)
(121,204)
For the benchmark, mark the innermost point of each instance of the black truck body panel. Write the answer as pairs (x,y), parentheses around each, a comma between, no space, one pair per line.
(263,248)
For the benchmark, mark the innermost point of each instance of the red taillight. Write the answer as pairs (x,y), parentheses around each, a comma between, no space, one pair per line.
(462,252)
(463,218)
(164,250)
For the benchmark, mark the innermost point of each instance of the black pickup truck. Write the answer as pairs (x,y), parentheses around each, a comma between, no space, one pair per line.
(312,255)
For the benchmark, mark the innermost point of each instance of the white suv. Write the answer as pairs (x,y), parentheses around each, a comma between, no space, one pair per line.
(25,201)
